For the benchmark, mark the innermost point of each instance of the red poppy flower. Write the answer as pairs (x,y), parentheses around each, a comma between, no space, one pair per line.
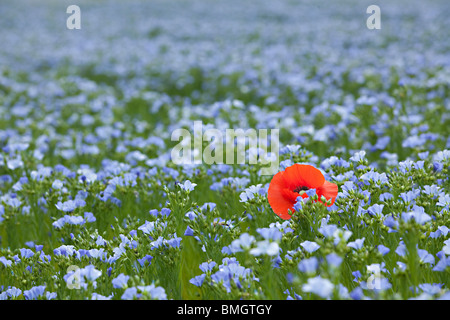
(286,186)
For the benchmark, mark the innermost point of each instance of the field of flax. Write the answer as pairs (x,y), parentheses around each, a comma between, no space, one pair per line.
(93,207)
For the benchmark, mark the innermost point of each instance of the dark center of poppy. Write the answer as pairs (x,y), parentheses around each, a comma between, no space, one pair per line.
(301,188)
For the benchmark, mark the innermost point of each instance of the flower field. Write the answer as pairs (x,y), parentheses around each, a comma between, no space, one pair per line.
(93,207)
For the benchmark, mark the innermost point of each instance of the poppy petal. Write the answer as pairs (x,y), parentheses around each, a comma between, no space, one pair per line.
(290,195)
(303,175)
(328,190)
(279,199)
